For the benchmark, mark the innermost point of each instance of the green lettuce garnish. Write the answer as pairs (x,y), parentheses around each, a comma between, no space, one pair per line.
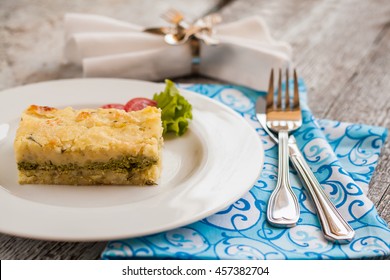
(175,109)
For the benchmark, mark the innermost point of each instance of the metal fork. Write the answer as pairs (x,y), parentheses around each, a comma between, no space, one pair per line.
(283,208)
(185,30)
(175,17)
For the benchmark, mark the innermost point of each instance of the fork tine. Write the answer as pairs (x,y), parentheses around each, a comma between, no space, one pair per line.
(270,94)
(166,15)
(279,102)
(287,97)
(172,16)
(296,91)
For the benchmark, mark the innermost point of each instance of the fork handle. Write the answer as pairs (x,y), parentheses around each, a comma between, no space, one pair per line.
(334,226)
(283,208)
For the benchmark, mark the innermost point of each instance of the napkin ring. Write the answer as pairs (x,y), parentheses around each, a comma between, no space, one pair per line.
(183,32)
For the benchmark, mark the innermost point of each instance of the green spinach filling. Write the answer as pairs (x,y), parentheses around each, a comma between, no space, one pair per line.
(124,163)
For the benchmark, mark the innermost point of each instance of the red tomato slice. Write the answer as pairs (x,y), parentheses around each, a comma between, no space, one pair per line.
(113,106)
(139,103)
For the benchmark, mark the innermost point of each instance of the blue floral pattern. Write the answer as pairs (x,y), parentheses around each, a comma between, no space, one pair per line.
(343,157)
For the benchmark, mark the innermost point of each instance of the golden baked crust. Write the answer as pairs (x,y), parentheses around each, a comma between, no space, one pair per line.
(80,146)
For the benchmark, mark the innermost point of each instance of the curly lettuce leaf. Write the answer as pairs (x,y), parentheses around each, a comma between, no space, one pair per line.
(175,109)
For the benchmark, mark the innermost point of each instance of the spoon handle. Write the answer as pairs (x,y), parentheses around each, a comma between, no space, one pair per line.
(335,228)
(283,208)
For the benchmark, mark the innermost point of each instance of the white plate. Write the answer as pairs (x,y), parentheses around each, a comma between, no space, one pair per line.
(210,167)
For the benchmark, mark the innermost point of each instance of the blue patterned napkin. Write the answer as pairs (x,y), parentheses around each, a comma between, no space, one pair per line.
(343,157)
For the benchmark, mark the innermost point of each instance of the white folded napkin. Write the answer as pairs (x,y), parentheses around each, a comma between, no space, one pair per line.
(106,47)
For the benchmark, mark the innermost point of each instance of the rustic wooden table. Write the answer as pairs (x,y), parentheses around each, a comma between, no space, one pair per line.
(341,48)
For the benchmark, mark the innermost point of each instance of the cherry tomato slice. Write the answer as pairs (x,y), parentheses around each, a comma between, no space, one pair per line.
(139,103)
(113,106)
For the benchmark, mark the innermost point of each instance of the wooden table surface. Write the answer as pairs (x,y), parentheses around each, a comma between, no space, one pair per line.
(341,49)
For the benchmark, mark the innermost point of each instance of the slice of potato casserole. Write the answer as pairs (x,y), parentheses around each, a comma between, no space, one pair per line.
(89,147)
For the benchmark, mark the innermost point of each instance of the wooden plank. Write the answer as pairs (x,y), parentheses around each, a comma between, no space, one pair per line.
(382,170)
(383,206)
(380,194)
(341,50)
(16,248)
(329,38)
(357,99)
(32,33)
(379,190)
